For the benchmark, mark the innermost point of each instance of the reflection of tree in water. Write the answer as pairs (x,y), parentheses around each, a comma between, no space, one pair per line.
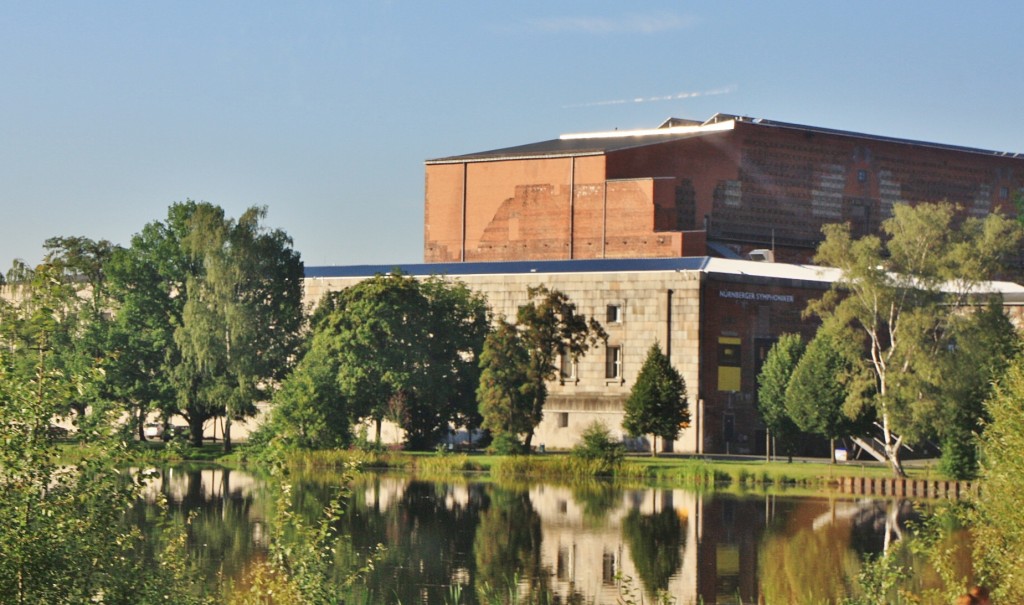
(428,539)
(598,499)
(507,546)
(656,542)
(816,555)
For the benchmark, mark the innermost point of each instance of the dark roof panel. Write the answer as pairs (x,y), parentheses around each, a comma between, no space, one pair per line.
(568,147)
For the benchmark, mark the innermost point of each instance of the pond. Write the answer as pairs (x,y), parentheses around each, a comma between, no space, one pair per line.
(588,543)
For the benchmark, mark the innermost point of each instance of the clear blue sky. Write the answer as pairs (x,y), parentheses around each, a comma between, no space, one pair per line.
(325,111)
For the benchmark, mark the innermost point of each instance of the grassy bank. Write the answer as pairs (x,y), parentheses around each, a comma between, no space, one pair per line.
(689,471)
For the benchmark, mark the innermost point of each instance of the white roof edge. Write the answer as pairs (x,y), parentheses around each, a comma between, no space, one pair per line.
(646,132)
(772,270)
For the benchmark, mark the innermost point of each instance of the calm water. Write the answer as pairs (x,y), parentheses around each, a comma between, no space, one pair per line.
(574,544)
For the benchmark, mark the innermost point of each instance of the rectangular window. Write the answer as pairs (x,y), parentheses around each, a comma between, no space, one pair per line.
(563,420)
(562,563)
(1004,193)
(613,362)
(567,367)
(608,567)
(862,176)
(614,314)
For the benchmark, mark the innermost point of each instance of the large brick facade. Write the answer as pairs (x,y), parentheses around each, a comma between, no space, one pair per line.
(664,192)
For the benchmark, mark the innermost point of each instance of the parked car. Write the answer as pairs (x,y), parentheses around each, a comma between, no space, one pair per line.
(153,430)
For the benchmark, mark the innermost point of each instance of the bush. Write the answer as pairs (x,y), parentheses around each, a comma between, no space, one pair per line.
(597,444)
(506,444)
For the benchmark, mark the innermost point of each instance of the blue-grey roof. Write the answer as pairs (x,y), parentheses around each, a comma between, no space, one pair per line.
(604,265)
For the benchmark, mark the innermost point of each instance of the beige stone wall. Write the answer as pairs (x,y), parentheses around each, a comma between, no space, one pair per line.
(643,298)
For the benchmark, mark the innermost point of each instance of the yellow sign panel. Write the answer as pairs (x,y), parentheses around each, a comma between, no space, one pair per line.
(729,363)
(728,379)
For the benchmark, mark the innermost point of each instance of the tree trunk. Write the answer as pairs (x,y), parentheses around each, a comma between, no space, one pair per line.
(832,448)
(227,434)
(654,446)
(195,427)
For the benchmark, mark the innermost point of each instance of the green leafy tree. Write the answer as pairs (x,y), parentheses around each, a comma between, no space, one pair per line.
(550,325)
(505,392)
(900,293)
(68,289)
(309,411)
(148,286)
(657,404)
(824,380)
(999,522)
(62,531)
(208,314)
(240,322)
(771,392)
(981,344)
(406,350)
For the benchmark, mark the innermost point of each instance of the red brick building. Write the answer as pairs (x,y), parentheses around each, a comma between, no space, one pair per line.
(722,187)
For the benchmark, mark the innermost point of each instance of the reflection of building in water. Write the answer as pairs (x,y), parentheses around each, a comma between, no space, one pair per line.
(725,544)
(700,548)
(207,483)
(589,550)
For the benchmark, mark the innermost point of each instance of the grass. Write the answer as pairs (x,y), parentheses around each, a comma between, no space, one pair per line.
(670,470)
(688,471)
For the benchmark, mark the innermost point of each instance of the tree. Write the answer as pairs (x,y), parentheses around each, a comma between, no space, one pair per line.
(551,325)
(657,403)
(505,393)
(61,530)
(824,380)
(63,300)
(240,322)
(999,521)
(209,311)
(309,411)
(771,393)
(901,293)
(148,288)
(407,351)
(982,344)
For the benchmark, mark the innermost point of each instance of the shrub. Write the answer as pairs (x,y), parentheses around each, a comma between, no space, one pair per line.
(597,444)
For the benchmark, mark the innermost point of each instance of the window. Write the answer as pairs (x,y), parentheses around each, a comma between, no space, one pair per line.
(614,314)
(1004,193)
(562,563)
(862,176)
(563,420)
(613,362)
(567,367)
(608,567)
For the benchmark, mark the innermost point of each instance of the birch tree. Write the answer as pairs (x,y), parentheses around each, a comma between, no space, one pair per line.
(900,291)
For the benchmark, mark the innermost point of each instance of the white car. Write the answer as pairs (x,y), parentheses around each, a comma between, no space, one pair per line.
(153,430)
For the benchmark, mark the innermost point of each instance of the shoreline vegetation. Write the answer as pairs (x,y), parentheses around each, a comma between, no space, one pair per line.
(672,470)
